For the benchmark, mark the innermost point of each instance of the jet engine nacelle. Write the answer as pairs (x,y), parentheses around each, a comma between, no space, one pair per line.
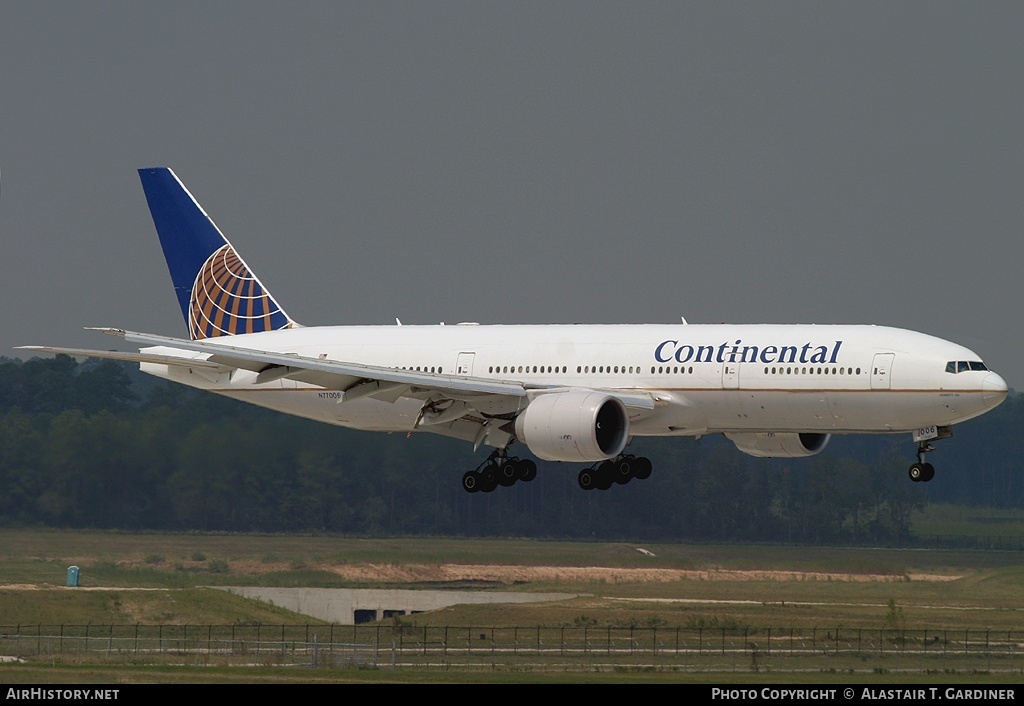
(778,445)
(578,425)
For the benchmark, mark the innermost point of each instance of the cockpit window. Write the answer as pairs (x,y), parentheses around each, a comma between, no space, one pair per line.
(961,366)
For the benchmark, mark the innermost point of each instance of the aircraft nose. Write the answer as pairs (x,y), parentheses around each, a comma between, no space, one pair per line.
(993,389)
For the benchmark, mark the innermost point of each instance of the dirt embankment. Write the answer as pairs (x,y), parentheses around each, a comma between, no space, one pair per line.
(513,574)
(547,574)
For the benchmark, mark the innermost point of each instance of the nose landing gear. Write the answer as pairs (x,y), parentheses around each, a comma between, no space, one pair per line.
(922,472)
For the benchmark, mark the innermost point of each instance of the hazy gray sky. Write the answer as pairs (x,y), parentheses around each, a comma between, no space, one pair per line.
(524,162)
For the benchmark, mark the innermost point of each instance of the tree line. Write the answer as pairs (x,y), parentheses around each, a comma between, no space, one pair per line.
(99,445)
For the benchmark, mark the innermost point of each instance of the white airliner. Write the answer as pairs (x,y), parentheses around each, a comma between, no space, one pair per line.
(576,393)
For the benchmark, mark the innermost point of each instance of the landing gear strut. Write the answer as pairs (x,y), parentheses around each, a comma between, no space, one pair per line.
(620,470)
(498,469)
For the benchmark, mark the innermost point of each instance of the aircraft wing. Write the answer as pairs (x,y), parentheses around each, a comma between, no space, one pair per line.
(355,380)
(331,374)
(177,361)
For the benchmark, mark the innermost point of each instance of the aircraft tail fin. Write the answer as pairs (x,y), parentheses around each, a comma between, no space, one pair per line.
(219,295)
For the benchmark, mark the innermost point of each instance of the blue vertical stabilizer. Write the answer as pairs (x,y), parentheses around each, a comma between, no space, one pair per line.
(218,293)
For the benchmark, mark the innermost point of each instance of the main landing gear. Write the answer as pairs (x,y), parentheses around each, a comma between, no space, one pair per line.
(499,469)
(506,471)
(620,470)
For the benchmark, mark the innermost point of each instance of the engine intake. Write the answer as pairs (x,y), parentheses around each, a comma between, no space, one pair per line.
(578,425)
(779,445)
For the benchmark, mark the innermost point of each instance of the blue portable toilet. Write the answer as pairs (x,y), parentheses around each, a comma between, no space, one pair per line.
(72,577)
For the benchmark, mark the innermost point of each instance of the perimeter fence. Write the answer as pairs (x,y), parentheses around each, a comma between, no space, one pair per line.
(540,648)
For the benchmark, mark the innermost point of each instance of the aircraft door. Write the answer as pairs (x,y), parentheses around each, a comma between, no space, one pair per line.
(731,376)
(464,366)
(881,369)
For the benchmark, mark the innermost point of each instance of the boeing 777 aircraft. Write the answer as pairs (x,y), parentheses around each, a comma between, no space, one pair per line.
(576,393)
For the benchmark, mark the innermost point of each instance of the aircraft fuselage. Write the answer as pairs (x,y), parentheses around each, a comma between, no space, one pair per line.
(704,378)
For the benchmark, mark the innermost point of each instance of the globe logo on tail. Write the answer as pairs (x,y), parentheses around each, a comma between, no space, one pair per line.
(227,299)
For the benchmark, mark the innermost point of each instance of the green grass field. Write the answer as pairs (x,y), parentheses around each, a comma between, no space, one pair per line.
(164,579)
(985,590)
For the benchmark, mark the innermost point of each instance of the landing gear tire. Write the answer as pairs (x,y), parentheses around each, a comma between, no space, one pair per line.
(489,479)
(929,471)
(471,481)
(642,471)
(527,470)
(508,473)
(586,479)
(623,470)
(921,472)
